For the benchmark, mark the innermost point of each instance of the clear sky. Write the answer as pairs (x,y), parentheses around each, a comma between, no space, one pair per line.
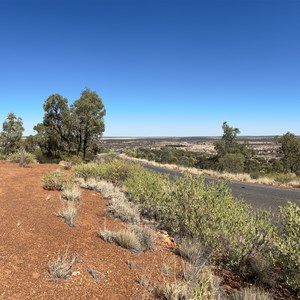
(162,68)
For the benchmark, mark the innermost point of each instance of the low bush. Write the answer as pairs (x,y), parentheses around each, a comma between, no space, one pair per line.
(55,180)
(3,156)
(148,190)
(115,171)
(73,159)
(231,234)
(191,250)
(232,162)
(28,158)
(287,246)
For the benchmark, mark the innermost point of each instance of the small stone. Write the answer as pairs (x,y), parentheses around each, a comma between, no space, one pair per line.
(76,273)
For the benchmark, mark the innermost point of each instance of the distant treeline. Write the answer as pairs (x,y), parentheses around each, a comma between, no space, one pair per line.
(231,156)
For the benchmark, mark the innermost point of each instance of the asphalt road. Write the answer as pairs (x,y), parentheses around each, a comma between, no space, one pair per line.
(259,196)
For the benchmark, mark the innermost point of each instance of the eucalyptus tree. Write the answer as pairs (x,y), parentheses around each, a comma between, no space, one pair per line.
(74,129)
(88,112)
(11,136)
(290,150)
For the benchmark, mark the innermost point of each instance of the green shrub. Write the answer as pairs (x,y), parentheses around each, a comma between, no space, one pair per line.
(149,191)
(226,227)
(287,244)
(232,162)
(115,171)
(55,180)
(29,158)
(42,158)
(74,159)
(3,156)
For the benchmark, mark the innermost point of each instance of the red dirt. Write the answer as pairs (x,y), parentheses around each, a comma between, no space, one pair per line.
(31,236)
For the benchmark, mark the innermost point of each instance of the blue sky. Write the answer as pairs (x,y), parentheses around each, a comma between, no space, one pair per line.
(162,68)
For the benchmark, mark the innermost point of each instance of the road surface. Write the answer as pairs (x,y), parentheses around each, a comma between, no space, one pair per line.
(259,196)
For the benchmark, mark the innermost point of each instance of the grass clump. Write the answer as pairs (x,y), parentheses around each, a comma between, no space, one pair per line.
(145,236)
(250,294)
(55,180)
(107,236)
(191,250)
(68,213)
(125,238)
(173,291)
(119,206)
(204,286)
(61,266)
(128,239)
(71,193)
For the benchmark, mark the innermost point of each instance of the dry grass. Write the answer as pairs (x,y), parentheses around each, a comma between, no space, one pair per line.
(61,266)
(71,193)
(125,238)
(68,213)
(250,294)
(166,270)
(107,236)
(128,239)
(192,251)
(145,236)
(173,291)
(96,275)
(119,206)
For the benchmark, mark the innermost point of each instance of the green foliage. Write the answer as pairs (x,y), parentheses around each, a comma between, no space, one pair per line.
(114,170)
(233,156)
(3,156)
(74,159)
(290,149)
(89,111)
(55,180)
(228,142)
(150,191)
(28,158)
(232,162)
(71,130)
(228,229)
(11,135)
(43,158)
(287,243)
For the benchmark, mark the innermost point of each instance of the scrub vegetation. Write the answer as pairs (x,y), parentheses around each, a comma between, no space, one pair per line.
(231,235)
(234,158)
(213,230)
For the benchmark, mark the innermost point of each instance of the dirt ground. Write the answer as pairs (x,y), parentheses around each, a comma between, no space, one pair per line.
(31,236)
